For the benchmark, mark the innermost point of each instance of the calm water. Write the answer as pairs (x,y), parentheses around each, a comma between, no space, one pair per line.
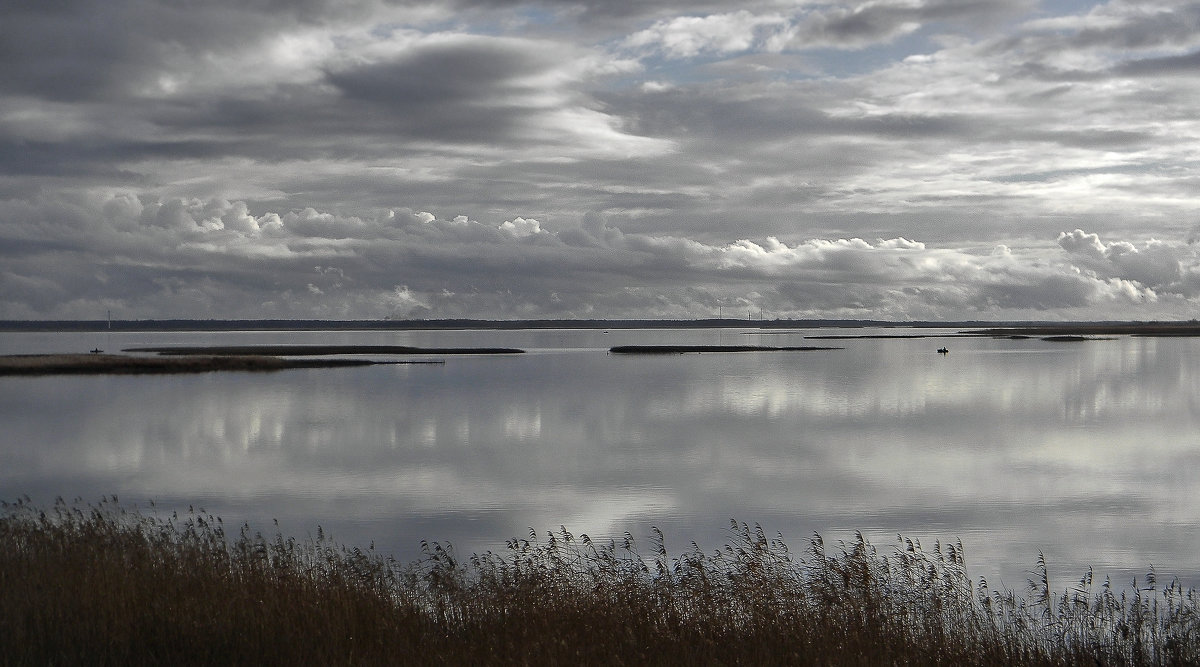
(1087,452)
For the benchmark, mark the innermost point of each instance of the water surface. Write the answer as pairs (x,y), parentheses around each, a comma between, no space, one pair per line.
(1086,452)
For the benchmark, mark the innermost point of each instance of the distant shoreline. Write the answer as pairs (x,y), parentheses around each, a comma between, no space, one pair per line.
(452,324)
(977,327)
(1094,329)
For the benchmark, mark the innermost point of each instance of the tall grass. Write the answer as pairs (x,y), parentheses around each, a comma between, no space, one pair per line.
(97,584)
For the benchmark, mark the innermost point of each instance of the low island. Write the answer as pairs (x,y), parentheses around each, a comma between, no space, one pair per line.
(682,349)
(316,350)
(98,363)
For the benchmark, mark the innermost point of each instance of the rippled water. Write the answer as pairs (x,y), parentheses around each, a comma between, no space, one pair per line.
(1087,452)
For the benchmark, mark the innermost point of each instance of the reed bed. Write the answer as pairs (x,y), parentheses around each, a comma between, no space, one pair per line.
(96,584)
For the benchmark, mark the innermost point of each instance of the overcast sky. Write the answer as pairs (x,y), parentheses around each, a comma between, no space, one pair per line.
(367,159)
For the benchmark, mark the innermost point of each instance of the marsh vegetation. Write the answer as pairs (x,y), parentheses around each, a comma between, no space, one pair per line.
(96,584)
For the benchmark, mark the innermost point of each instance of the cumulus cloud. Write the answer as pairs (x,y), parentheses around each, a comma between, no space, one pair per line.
(402,264)
(403,303)
(521,227)
(1080,242)
(1156,265)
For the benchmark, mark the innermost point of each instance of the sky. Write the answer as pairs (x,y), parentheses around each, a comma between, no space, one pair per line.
(510,159)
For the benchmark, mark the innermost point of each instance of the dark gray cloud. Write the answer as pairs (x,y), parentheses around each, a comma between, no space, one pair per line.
(73,50)
(1185,64)
(476,92)
(1137,26)
(866,23)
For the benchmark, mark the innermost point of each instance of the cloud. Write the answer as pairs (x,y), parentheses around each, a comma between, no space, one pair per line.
(469,90)
(821,25)
(1081,243)
(521,227)
(689,36)
(495,158)
(1156,265)
(175,258)
(402,303)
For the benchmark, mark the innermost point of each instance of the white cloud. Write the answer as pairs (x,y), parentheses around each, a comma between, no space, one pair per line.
(1156,265)
(403,302)
(689,36)
(521,227)
(1083,243)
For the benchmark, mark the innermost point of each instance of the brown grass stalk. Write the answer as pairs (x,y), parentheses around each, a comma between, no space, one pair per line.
(100,585)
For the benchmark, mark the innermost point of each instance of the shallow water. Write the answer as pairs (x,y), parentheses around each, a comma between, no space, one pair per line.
(1087,452)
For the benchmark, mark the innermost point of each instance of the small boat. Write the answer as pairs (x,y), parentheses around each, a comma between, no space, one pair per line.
(942,350)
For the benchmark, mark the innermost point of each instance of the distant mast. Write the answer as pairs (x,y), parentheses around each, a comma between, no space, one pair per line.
(110,319)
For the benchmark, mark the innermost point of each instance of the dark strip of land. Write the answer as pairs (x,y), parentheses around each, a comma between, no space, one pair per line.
(97,364)
(877,336)
(681,349)
(1170,328)
(322,350)
(1102,329)
(449,324)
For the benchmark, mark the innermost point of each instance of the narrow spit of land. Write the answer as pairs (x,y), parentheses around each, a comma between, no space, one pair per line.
(202,359)
(1014,334)
(1102,329)
(317,350)
(96,364)
(682,349)
(878,336)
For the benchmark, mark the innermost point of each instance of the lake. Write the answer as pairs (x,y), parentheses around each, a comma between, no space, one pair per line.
(1087,452)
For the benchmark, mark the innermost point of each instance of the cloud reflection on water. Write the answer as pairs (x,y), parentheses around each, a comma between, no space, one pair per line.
(1084,451)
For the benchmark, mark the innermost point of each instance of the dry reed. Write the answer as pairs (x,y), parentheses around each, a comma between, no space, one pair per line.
(100,585)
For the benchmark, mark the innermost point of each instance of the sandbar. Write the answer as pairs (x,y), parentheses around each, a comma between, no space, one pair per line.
(682,349)
(99,363)
(312,350)
(1094,329)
